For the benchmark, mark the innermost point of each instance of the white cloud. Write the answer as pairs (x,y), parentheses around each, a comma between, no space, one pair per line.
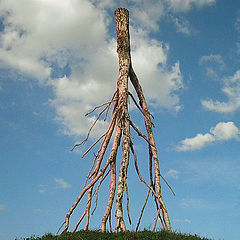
(195,143)
(147,13)
(172,174)
(186,5)
(61,183)
(77,94)
(160,81)
(36,30)
(2,207)
(41,37)
(223,131)
(231,89)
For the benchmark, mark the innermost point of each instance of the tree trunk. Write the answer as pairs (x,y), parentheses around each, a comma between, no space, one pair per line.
(121,122)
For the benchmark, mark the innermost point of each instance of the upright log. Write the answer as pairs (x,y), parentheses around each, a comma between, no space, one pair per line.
(121,123)
(124,59)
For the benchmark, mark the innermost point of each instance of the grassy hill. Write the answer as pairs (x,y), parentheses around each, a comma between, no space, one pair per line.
(92,235)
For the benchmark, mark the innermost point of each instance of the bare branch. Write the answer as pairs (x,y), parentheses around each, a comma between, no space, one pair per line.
(90,129)
(138,172)
(171,189)
(139,132)
(60,228)
(89,149)
(80,220)
(104,104)
(144,205)
(107,138)
(113,155)
(158,197)
(121,123)
(155,223)
(148,124)
(90,171)
(94,180)
(88,207)
(110,222)
(97,189)
(140,109)
(110,104)
(128,210)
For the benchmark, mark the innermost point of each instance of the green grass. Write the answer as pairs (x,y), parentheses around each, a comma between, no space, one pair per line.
(92,235)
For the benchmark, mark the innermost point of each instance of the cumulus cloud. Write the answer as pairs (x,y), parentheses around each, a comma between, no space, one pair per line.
(160,81)
(35,31)
(195,143)
(186,5)
(61,183)
(223,131)
(147,13)
(143,13)
(231,89)
(66,45)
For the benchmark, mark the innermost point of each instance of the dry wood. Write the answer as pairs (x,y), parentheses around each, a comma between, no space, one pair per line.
(128,209)
(148,124)
(121,123)
(144,205)
(116,143)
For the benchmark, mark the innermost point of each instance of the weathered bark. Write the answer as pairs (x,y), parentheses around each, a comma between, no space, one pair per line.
(123,50)
(121,122)
(113,177)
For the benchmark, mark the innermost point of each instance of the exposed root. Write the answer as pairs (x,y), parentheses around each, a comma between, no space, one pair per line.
(116,143)
(139,132)
(140,109)
(96,191)
(143,208)
(128,209)
(90,148)
(121,123)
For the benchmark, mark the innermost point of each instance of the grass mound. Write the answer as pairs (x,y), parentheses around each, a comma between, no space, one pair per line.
(92,235)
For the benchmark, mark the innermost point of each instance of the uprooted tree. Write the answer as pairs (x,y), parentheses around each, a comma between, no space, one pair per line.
(120,125)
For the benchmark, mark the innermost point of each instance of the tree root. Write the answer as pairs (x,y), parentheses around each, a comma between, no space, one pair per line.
(121,123)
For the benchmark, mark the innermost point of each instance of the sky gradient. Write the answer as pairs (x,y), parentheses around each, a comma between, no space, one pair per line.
(58,60)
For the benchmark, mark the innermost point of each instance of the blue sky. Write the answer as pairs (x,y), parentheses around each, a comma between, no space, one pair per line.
(58,60)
